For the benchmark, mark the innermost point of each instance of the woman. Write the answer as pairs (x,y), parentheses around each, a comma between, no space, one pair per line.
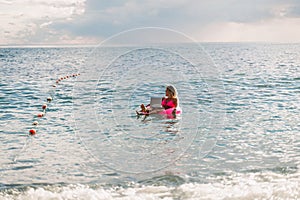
(170,100)
(169,103)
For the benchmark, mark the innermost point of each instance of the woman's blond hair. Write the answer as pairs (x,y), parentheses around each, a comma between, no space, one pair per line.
(173,90)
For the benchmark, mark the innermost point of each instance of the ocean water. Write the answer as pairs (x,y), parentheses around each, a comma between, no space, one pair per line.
(237,138)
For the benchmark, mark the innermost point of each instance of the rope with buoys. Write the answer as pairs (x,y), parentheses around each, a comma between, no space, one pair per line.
(33,131)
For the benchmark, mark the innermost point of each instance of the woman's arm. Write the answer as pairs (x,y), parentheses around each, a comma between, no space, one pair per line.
(175,102)
(162,104)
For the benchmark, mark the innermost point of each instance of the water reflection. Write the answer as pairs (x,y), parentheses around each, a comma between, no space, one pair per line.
(169,123)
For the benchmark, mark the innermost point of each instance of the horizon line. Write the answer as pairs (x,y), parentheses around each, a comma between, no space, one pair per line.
(130,44)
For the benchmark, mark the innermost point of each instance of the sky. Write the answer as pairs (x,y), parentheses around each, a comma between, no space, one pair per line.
(57,22)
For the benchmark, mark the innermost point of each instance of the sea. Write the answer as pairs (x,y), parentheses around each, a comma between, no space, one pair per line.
(238,136)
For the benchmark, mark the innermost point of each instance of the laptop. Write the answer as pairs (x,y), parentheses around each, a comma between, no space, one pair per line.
(155,102)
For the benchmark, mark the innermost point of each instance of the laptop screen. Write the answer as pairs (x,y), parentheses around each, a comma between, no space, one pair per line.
(155,102)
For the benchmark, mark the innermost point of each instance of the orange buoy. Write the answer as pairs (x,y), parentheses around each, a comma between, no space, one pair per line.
(49,99)
(32,131)
(44,106)
(40,114)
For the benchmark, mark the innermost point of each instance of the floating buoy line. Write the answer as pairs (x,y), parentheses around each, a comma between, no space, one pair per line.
(33,131)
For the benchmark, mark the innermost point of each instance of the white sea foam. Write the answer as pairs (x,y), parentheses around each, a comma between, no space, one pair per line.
(240,186)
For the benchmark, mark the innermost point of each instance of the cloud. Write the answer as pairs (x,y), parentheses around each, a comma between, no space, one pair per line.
(293,11)
(5,2)
(75,21)
(191,17)
(45,24)
(26,20)
(272,30)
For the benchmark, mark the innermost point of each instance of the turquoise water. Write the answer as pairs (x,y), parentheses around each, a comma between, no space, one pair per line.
(238,135)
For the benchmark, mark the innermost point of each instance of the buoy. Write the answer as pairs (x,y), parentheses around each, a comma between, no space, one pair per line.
(44,106)
(49,99)
(32,131)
